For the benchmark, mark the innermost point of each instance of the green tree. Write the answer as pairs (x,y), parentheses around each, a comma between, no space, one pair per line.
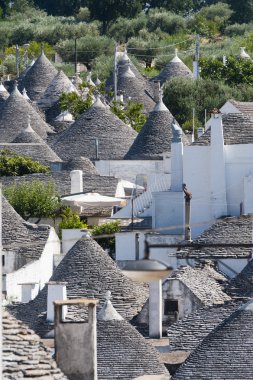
(131,114)
(182,95)
(235,72)
(243,10)
(34,199)
(108,11)
(70,219)
(60,7)
(107,242)
(74,103)
(12,164)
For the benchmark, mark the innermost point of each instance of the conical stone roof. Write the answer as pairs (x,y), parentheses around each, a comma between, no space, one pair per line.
(98,122)
(81,163)
(13,118)
(122,352)
(155,136)
(57,86)
(28,136)
(24,355)
(226,353)
(134,88)
(143,82)
(89,272)
(38,77)
(175,68)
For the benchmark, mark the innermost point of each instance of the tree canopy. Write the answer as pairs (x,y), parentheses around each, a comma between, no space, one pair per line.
(12,164)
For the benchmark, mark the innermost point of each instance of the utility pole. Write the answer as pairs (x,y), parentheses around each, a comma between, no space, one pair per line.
(17,61)
(75,56)
(196,70)
(115,73)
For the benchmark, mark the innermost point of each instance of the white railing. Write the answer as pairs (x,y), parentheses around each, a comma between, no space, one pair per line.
(143,202)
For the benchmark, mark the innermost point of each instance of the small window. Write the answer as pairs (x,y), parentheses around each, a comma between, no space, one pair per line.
(3,260)
(170,307)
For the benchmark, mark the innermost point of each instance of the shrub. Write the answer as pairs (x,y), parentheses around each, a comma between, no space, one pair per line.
(109,228)
(69,220)
(11,164)
(34,199)
(166,21)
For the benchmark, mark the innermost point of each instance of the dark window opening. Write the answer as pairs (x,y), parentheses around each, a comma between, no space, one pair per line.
(170,307)
(3,260)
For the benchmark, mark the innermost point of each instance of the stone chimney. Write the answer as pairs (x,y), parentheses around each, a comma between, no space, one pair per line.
(56,290)
(155,309)
(29,291)
(76,342)
(76,181)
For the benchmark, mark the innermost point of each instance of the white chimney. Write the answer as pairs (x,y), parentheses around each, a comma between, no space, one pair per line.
(76,181)
(56,291)
(76,342)
(29,291)
(155,309)
(176,158)
(217,168)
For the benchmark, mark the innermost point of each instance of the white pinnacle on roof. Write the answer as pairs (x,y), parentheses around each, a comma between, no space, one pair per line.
(124,57)
(243,53)
(108,313)
(128,73)
(97,81)
(176,58)
(2,88)
(98,103)
(24,93)
(65,116)
(89,80)
(160,106)
(29,128)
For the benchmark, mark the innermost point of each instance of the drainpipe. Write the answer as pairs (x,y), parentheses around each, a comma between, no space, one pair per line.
(188,197)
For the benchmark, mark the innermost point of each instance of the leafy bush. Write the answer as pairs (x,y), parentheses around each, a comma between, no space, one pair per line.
(131,114)
(69,220)
(166,21)
(34,199)
(88,48)
(109,228)
(11,164)
(181,95)
(236,30)
(74,103)
(124,28)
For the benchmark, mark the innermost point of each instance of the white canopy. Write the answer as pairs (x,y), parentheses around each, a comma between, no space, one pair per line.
(89,200)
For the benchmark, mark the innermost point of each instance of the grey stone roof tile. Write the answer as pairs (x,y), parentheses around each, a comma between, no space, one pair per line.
(242,284)
(237,129)
(225,353)
(204,281)
(38,77)
(88,271)
(244,107)
(17,234)
(114,137)
(60,83)
(24,355)
(123,353)
(155,136)
(175,68)
(188,333)
(81,163)
(40,152)
(225,230)
(14,117)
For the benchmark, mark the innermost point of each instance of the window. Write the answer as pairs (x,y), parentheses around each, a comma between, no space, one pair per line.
(170,307)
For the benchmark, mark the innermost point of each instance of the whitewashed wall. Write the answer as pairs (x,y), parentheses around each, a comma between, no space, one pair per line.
(38,271)
(128,169)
